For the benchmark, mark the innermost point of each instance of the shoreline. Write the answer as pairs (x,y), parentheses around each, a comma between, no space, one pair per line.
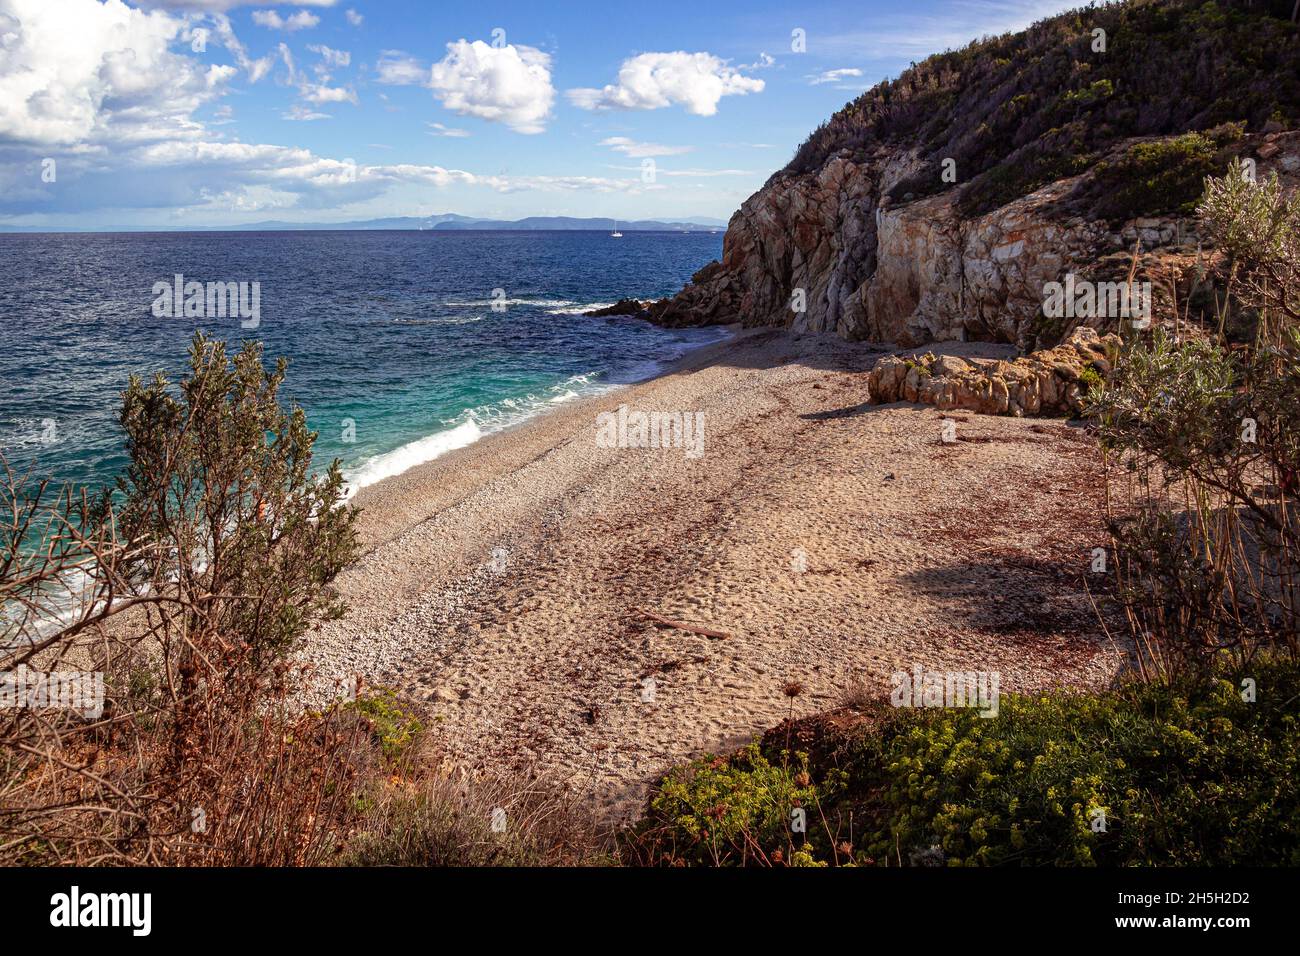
(453,436)
(375,494)
(508,588)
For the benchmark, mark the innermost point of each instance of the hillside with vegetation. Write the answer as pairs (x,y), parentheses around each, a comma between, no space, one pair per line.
(1020,110)
(936,205)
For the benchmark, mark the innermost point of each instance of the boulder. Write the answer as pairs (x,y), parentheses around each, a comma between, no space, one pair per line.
(1047,382)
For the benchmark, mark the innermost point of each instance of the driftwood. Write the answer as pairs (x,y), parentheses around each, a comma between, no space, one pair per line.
(692,628)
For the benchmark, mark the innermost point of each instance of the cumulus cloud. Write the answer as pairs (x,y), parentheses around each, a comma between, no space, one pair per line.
(111,79)
(316,93)
(302,20)
(696,81)
(508,84)
(117,101)
(630,147)
(354,18)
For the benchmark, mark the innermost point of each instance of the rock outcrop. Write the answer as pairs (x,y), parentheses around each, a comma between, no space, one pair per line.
(936,207)
(1050,382)
(868,269)
(830,252)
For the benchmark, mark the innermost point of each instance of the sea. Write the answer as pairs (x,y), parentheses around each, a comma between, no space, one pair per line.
(402,346)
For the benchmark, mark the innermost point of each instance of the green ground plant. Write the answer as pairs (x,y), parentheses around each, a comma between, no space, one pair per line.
(1193,774)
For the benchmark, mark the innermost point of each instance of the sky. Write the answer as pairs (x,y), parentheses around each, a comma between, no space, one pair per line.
(174,114)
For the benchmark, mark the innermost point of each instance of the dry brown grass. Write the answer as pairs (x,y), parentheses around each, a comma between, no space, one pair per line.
(432,818)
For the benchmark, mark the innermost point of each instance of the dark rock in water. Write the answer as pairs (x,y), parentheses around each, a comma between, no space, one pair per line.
(621,307)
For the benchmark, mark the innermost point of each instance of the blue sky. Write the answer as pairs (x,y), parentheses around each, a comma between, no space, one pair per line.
(175,113)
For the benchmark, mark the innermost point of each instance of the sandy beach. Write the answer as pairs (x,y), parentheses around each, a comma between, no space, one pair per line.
(506,586)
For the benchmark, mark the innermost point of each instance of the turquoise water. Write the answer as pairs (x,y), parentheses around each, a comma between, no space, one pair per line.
(396,351)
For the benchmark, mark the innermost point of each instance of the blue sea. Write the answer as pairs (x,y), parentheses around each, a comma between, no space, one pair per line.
(394,332)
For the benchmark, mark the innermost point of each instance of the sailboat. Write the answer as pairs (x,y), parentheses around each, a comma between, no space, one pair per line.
(616,234)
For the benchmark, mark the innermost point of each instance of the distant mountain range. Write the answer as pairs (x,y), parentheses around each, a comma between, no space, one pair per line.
(444,222)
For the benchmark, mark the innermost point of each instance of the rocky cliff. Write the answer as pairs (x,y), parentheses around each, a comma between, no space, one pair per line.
(895,223)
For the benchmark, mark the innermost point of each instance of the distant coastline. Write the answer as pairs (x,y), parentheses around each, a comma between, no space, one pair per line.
(445,222)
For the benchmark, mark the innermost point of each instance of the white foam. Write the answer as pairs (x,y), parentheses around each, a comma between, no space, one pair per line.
(459,320)
(579,309)
(473,423)
(379,467)
(480,303)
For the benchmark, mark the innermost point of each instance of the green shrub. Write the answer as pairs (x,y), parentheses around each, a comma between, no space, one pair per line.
(722,811)
(196,574)
(1089,95)
(394,724)
(1193,776)
(1205,535)
(1163,176)
(1189,774)
(1091,381)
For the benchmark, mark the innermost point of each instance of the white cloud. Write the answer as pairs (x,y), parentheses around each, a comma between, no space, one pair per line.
(764,61)
(318,93)
(600,184)
(692,172)
(118,101)
(286,55)
(630,147)
(706,172)
(113,78)
(223,5)
(437,129)
(396,68)
(302,20)
(354,18)
(256,69)
(508,84)
(651,81)
(833,76)
(440,177)
(300,112)
(331,57)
